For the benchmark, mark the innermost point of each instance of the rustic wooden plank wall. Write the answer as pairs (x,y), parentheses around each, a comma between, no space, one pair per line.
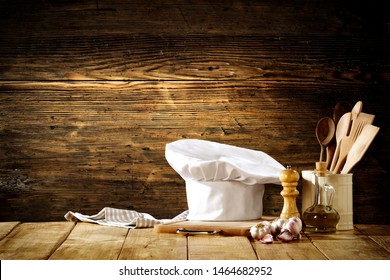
(92,90)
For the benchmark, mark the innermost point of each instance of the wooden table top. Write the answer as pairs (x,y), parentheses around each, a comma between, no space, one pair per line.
(86,241)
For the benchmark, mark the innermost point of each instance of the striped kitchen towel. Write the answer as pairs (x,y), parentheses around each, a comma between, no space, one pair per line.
(122,218)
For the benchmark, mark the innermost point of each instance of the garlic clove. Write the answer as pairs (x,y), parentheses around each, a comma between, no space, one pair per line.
(267,239)
(297,220)
(285,236)
(294,226)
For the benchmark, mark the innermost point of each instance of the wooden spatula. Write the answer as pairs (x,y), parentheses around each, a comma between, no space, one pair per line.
(347,141)
(360,147)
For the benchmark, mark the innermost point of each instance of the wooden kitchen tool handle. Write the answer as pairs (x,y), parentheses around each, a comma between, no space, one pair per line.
(197,232)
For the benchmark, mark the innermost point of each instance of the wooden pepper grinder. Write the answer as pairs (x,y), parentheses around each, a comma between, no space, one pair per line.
(289,179)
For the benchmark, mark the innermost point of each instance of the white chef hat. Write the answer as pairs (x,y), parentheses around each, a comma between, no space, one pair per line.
(223,182)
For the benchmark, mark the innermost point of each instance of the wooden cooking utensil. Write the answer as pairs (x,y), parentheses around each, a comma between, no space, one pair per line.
(355,113)
(232,228)
(360,147)
(339,110)
(341,131)
(348,140)
(325,131)
(357,108)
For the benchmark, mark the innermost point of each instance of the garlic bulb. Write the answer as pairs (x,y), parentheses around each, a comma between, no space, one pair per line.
(283,229)
(277,225)
(260,230)
(291,230)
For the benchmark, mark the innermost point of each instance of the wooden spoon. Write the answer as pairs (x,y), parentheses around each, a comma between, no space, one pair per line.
(341,131)
(325,131)
(339,110)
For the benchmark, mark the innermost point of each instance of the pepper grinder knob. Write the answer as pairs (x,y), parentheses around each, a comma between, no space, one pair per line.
(289,179)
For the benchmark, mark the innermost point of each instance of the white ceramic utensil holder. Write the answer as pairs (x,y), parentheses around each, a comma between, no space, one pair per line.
(343,200)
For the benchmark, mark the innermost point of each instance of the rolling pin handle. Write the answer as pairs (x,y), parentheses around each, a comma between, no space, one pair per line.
(193,232)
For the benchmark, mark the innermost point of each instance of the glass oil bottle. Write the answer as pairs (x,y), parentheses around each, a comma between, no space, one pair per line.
(321,216)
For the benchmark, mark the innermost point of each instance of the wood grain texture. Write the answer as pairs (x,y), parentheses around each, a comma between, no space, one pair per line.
(350,245)
(91,91)
(70,241)
(145,244)
(316,59)
(96,144)
(34,241)
(183,17)
(220,248)
(91,242)
(380,234)
(356,248)
(6,228)
(303,250)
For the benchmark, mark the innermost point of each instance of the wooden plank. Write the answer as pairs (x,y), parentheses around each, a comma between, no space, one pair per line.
(184,17)
(379,233)
(168,41)
(220,248)
(301,249)
(370,229)
(192,57)
(91,242)
(145,244)
(6,228)
(34,241)
(349,246)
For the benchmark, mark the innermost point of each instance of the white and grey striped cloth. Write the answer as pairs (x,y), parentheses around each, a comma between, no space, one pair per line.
(122,218)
